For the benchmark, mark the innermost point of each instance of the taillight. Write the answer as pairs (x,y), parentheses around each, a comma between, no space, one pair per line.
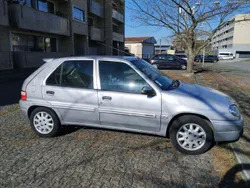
(23,95)
(151,60)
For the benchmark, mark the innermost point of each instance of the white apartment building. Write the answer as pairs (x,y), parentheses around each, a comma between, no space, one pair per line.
(234,37)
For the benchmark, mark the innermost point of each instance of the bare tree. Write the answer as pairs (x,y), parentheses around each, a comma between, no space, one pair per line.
(184,17)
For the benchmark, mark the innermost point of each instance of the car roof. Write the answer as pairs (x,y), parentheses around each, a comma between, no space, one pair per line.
(128,58)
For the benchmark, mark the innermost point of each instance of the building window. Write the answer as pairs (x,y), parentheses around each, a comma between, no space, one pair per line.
(33,43)
(26,2)
(78,14)
(46,6)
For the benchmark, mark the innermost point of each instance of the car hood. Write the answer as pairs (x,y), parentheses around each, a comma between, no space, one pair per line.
(203,100)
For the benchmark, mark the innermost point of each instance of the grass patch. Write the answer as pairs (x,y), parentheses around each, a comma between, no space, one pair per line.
(245,61)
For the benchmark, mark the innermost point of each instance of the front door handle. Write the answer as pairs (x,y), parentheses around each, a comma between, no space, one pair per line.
(50,92)
(106,98)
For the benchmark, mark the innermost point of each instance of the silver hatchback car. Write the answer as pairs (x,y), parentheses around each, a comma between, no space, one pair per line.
(127,93)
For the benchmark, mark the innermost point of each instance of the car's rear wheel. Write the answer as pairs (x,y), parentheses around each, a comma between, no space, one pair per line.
(44,122)
(191,134)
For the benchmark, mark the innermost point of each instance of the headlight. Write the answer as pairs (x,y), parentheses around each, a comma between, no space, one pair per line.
(233,109)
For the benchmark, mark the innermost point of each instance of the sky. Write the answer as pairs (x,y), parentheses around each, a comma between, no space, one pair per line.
(132,29)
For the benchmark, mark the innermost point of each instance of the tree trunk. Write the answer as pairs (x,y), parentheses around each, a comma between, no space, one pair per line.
(190,60)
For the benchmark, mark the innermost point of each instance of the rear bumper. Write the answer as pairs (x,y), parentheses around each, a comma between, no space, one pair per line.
(229,131)
(24,106)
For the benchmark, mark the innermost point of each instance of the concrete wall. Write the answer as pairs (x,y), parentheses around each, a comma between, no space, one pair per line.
(108,29)
(6,61)
(241,31)
(135,48)
(33,59)
(5,53)
(3,13)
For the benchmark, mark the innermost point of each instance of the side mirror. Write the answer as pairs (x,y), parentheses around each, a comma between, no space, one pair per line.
(147,90)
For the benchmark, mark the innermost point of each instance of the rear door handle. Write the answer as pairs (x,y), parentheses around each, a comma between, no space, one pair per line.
(106,98)
(50,92)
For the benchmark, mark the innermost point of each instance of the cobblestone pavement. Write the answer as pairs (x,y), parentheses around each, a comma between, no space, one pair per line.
(95,158)
(85,157)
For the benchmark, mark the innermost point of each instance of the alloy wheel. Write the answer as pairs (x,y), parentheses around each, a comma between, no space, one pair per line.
(191,136)
(43,122)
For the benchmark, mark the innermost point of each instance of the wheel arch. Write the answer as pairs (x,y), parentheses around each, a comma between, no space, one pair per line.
(32,108)
(184,114)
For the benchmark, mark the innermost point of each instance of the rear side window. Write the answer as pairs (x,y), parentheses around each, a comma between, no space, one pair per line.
(76,74)
(160,57)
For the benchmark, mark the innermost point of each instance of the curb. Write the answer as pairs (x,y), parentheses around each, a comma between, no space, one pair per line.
(241,160)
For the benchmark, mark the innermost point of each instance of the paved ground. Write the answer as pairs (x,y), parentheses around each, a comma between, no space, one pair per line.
(234,65)
(101,158)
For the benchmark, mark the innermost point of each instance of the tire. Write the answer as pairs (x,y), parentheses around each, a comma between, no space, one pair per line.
(183,67)
(44,122)
(190,136)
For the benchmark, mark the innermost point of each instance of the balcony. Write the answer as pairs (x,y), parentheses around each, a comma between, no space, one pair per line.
(24,17)
(118,16)
(80,28)
(3,13)
(95,8)
(118,37)
(96,34)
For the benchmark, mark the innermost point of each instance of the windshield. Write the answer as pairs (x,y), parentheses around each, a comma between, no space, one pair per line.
(153,74)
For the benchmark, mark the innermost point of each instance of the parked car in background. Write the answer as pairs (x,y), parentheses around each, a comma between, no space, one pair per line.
(207,58)
(182,56)
(128,94)
(168,61)
(226,55)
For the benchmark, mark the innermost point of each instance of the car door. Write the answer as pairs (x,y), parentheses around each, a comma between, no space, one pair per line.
(70,90)
(121,104)
(173,62)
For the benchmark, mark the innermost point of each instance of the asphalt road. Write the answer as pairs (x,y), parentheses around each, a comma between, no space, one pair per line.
(245,66)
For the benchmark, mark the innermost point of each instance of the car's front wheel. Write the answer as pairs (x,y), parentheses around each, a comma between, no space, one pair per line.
(44,122)
(191,134)
(183,67)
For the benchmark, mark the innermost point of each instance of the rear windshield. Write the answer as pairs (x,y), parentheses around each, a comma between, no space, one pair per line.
(225,54)
(152,73)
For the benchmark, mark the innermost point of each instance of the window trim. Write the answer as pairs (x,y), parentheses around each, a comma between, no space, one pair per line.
(84,13)
(37,7)
(152,85)
(59,64)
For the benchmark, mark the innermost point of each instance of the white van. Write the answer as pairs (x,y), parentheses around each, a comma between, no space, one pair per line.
(226,55)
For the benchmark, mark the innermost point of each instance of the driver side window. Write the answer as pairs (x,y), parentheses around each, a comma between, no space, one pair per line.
(118,76)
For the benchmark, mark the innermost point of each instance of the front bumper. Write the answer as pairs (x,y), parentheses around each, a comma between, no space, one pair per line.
(228,130)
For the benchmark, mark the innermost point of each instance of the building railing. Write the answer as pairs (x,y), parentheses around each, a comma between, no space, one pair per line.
(118,37)
(96,8)
(118,16)
(96,34)
(25,17)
